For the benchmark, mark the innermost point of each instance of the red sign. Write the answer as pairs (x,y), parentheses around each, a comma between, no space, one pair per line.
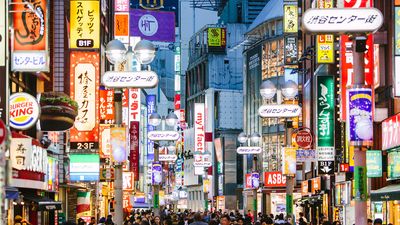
(304,138)
(344,167)
(127,181)
(134,149)
(106,108)
(274,179)
(177,101)
(3,132)
(346,59)
(248,181)
(134,104)
(391,132)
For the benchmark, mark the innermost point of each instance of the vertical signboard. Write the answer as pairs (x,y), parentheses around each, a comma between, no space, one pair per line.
(359,116)
(29,47)
(290,18)
(325,114)
(151,108)
(134,104)
(121,27)
(3,74)
(216,39)
(199,129)
(391,132)
(118,144)
(105,141)
(106,106)
(397,49)
(289,161)
(84,85)
(374,163)
(291,54)
(84,24)
(156,175)
(325,50)
(134,149)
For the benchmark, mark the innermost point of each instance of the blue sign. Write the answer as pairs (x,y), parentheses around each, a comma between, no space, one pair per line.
(151,105)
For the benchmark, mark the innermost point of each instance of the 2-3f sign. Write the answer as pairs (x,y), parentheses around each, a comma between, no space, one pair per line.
(326,167)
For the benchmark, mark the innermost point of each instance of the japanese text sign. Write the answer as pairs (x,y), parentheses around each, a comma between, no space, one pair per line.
(291,51)
(305,155)
(274,179)
(325,49)
(336,20)
(152,25)
(134,149)
(30,46)
(121,5)
(106,106)
(140,79)
(134,104)
(248,150)
(279,111)
(359,116)
(84,24)
(391,132)
(121,27)
(325,110)
(163,135)
(84,85)
(290,18)
(199,129)
(105,140)
(374,163)
(128,181)
(151,107)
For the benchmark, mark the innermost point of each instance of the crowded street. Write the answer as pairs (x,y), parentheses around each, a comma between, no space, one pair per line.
(199,112)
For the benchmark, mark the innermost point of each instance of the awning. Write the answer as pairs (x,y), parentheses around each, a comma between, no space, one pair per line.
(44,203)
(12,193)
(388,193)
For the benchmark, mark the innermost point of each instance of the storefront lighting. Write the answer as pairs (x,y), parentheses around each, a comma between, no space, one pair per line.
(145,52)
(115,51)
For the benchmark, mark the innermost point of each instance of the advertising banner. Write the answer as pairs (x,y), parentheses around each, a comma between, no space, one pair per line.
(121,27)
(354,3)
(105,140)
(325,114)
(391,132)
(360,183)
(305,155)
(30,47)
(325,48)
(152,25)
(216,39)
(199,129)
(274,179)
(289,161)
(156,174)
(359,116)
(291,52)
(255,180)
(83,206)
(84,86)
(84,167)
(248,181)
(151,107)
(84,24)
(374,163)
(290,18)
(134,149)
(125,107)
(118,144)
(128,181)
(393,164)
(134,104)
(106,106)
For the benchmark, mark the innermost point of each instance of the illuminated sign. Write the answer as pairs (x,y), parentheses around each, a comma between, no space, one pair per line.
(140,79)
(199,129)
(163,135)
(118,144)
(84,24)
(29,61)
(279,111)
(128,181)
(134,104)
(121,27)
(249,150)
(289,161)
(290,19)
(24,111)
(274,179)
(391,132)
(84,167)
(168,158)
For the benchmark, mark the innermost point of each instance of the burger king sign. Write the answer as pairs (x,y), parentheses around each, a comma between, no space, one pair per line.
(24,111)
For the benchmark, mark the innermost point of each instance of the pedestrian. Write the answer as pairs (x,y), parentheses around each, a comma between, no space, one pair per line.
(81,221)
(157,220)
(280,219)
(20,221)
(109,220)
(92,221)
(378,221)
(102,221)
(250,215)
(369,222)
(225,220)
(198,220)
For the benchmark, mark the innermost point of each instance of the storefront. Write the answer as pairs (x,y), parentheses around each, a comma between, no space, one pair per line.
(315,199)
(342,199)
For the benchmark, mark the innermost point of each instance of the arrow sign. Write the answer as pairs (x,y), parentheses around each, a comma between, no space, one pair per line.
(326,167)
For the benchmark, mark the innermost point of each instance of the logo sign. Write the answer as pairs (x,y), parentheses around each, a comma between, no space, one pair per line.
(202,160)
(326,167)
(335,20)
(279,111)
(344,167)
(85,73)
(325,100)
(3,132)
(163,135)
(326,153)
(152,25)
(168,158)
(374,163)
(24,111)
(290,19)
(85,24)
(248,150)
(304,138)
(255,180)
(274,179)
(391,132)
(359,116)
(140,79)
(216,39)
(156,173)
(305,155)
(199,129)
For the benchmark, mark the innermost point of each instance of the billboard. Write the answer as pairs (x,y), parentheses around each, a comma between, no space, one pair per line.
(84,167)
(216,39)
(374,163)
(106,106)
(290,18)
(291,52)
(151,108)
(84,86)
(152,25)
(134,149)
(30,39)
(84,24)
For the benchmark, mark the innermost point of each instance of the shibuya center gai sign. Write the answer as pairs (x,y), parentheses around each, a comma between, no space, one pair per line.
(279,111)
(139,79)
(163,135)
(334,20)
(248,150)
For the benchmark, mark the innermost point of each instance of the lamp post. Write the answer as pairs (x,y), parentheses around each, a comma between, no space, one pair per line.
(255,139)
(289,90)
(116,54)
(155,120)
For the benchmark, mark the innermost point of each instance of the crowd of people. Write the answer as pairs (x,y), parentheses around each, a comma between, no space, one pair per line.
(187,217)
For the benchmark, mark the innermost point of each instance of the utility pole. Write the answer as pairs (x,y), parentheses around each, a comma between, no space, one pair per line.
(255,189)
(290,179)
(119,216)
(358,80)
(156,188)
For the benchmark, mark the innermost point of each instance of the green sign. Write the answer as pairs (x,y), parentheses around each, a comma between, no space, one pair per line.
(325,111)
(397,30)
(156,204)
(360,183)
(394,164)
(374,163)
(289,204)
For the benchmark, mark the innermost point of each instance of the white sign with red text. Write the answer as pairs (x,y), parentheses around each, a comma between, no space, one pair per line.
(199,129)
(134,104)
(391,132)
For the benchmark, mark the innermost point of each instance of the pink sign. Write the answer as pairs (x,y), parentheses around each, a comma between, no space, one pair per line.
(391,132)
(121,5)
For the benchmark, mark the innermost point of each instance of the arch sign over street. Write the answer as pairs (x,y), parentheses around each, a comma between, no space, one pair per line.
(338,20)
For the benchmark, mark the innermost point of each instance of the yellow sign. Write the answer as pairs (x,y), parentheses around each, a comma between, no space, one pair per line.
(206,185)
(325,50)
(214,37)
(85,24)
(289,161)
(290,19)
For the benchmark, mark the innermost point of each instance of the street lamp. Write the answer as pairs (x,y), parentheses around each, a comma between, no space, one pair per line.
(145,52)
(116,53)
